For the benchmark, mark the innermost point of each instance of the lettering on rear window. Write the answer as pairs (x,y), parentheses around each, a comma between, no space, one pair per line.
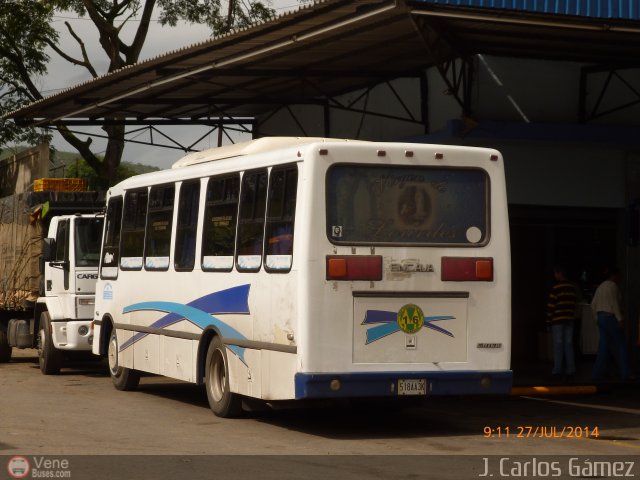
(399,205)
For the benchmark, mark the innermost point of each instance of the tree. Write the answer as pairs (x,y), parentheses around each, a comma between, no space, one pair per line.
(26,31)
(80,169)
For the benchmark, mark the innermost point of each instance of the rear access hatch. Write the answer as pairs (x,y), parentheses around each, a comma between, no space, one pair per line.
(409,327)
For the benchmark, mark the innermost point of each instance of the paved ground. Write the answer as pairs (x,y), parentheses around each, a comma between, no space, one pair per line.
(80,413)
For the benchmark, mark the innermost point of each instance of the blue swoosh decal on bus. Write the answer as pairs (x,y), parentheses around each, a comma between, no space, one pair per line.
(199,312)
(231,300)
(388,324)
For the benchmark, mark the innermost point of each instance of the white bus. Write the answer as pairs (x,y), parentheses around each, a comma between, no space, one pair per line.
(303,268)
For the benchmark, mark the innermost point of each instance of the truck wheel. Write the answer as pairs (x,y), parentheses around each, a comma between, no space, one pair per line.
(123,378)
(5,348)
(221,400)
(49,357)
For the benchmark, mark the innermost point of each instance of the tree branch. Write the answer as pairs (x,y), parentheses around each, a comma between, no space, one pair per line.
(17,89)
(9,93)
(109,39)
(72,60)
(68,58)
(82,146)
(18,63)
(123,47)
(97,16)
(87,63)
(143,30)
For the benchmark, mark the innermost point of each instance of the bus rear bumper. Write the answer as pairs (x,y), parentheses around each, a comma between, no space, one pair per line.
(388,384)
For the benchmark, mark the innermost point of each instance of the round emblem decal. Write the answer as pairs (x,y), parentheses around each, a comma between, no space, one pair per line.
(410,318)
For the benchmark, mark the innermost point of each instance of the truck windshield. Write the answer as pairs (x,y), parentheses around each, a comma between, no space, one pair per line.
(88,236)
(369,204)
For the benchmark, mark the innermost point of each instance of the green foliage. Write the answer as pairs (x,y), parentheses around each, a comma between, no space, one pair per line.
(25,27)
(211,13)
(24,30)
(76,167)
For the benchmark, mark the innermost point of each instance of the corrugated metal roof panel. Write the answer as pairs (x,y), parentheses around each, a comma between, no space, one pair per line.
(324,50)
(620,9)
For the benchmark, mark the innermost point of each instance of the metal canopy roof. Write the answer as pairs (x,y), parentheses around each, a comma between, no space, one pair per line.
(587,8)
(318,52)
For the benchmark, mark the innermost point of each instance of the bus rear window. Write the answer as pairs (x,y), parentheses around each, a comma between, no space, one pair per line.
(369,204)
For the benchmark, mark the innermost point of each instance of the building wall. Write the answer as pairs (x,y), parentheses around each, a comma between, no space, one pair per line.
(545,92)
(563,175)
(549,91)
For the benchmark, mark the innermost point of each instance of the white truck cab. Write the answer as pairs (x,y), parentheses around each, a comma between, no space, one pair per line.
(64,310)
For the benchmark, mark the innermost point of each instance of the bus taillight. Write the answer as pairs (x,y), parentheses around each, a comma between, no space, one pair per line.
(467,269)
(354,267)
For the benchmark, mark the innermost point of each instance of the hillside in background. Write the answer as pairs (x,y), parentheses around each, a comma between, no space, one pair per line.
(71,165)
(69,159)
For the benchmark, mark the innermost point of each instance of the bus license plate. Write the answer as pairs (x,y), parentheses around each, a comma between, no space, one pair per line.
(413,386)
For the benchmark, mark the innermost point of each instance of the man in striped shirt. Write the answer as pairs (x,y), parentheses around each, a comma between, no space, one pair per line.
(561,309)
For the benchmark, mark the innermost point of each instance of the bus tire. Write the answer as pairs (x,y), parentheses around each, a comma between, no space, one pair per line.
(123,378)
(5,348)
(49,357)
(223,403)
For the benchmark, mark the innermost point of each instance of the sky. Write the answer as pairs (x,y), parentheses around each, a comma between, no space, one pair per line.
(62,75)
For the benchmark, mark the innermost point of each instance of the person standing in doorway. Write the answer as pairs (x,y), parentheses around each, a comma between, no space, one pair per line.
(561,309)
(606,305)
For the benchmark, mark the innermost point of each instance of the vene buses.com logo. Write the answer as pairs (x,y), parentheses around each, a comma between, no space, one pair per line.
(18,467)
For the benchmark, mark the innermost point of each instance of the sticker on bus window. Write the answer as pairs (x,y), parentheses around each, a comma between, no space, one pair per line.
(279,262)
(336,231)
(158,263)
(131,262)
(474,234)
(217,262)
(109,272)
(249,262)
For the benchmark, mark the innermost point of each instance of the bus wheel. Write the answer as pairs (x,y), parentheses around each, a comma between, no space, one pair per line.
(123,378)
(49,357)
(5,348)
(221,400)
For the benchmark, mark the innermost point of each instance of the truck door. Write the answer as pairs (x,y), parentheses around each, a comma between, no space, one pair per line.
(57,281)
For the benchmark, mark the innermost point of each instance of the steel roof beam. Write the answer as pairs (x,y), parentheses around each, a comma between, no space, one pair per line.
(161,122)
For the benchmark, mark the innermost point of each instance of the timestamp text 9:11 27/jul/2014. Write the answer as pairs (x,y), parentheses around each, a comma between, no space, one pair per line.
(541,431)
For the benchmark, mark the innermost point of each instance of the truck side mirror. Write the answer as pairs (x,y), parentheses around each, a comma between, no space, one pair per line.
(49,249)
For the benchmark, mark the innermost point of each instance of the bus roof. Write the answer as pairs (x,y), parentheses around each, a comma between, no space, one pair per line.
(260,145)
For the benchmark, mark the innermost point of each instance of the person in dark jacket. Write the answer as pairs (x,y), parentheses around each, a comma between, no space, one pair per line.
(561,308)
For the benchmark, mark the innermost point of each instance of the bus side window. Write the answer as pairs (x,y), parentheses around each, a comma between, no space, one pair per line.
(111,246)
(133,225)
(188,205)
(159,223)
(281,211)
(220,219)
(253,199)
